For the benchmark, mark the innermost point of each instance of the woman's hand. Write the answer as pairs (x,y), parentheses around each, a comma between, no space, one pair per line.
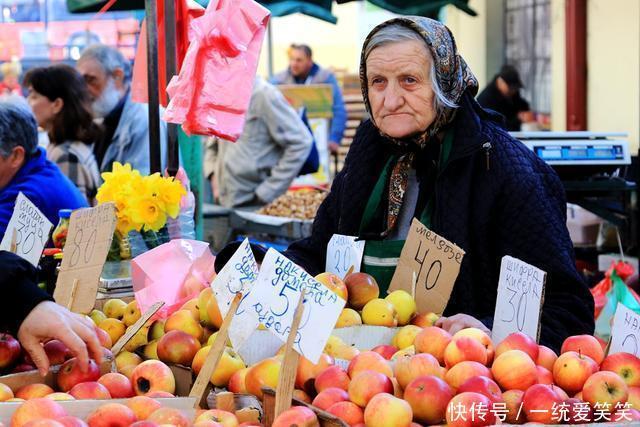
(460,321)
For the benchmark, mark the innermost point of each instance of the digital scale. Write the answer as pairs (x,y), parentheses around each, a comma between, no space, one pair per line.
(578,155)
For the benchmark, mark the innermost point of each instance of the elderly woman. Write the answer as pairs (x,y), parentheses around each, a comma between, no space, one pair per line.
(431,152)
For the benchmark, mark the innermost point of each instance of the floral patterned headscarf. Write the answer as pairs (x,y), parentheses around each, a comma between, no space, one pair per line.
(454,78)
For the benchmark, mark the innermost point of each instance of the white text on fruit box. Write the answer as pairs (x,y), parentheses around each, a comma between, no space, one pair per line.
(238,275)
(276,294)
(625,332)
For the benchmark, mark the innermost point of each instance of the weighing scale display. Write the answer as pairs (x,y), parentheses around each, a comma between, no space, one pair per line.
(589,152)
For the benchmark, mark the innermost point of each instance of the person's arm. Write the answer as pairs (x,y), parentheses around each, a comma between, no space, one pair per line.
(339,119)
(288,131)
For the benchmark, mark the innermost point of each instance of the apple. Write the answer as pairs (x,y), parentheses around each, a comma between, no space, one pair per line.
(434,341)
(571,370)
(514,369)
(58,353)
(23,367)
(307,371)
(152,375)
(634,397)
(5,392)
(224,418)
(483,385)
(470,409)
(408,368)
(538,403)
(160,394)
(118,385)
(230,362)
(584,344)
(237,381)
(150,424)
(519,341)
(405,352)
(385,350)
(457,375)
(169,416)
(131,313)
(71,374)
(182,320)
(605,387)
(328,397)
(544,375)
(379,312)
(126,358)
(90,390)
(263,374)
(405,306)
(369,361)
(361,288)
(32,391)
(114,308)
(623,415)
(192,307)
(462,349)
(9,351)
(114,327)
(513,400)
(60,396)
(334,283)
(425,320)
(428,397)
(111,415)
(624,364)
(405,336)
(213,313)
(385,410)
(36,409)
(348,317)
(178,347)
(301,395)
(150,350)
(578,411)
(70,421)
(481,337)
(143,406)
(366,384)
(156,331)
(44,423)
(546,357)
(299,416)
(348,412)
(97,316)
(139,339)
(333,376)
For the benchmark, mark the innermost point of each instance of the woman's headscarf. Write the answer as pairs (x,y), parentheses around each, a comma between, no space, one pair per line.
(454,78)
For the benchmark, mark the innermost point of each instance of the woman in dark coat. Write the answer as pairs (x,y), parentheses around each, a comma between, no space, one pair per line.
(431,152)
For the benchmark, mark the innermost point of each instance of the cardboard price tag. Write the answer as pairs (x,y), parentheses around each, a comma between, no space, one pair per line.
(237,276)
(27,232)
(427,268)
(625,331)
(344,255)
(274,298)
(88,242)
(519,300)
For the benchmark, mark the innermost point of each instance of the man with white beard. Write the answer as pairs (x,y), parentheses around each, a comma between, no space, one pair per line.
(126,123)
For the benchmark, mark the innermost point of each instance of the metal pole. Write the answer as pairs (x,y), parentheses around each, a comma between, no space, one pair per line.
(270,47)
(152,80)
(173,147)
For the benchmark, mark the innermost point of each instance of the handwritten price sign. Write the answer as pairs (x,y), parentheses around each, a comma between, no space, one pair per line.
(625,332)
(31,230)
(344,254)
(238,275)
(274,299)
(519,300)
(88,242)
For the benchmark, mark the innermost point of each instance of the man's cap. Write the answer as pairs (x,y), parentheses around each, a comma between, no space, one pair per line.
(510,75)
(227,252)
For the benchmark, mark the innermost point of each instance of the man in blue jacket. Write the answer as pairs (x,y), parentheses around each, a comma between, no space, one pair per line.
(24,168)
(303,71)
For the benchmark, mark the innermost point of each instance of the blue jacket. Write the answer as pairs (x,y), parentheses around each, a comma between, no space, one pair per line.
(47,188)
(319,75)
(494,197)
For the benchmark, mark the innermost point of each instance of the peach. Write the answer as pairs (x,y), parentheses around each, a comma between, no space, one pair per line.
(428,397)
(624,364)
(160,394)
(386,410)
(546,357)
(432,340)
(32,391)
(299,416)
(90,390)
(178,347)
(584,344)
(71,374)
(111,415)
(37,409)
(571,370)
(462,349)
(514,369)
(152,375)
(118,385)
(366,384)
(263,374)
(408,368)
(143,406)
(348,412)
(169,416)
(369,361)
(333,376)
(328,397)
(182,320)
(461,372)
(237,381)
(519,341)
(192,307)
(361,288)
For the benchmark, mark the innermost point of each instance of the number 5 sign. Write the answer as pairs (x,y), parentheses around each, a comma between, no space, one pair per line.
(86,249)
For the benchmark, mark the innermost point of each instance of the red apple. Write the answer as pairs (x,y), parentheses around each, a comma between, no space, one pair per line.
(539,401)
(470,409)
(519,341)
(605,388)
(460,373)
(333,376)
(177,347)
(71,374)
(367,384)
(543,375)
(23,367)
(584,344)
(118,385)
(90,390)
(513,400)
(334,283)
(37,409)
(408,368)
(386,351)
(307,371)
(299,416)
(514,369)
(152,375)
(9,351)
(428,397)
(111,415)
(328,397)
(369,361)
(546,357)
(33,391)
(571,370)
(348,412)
(434,341)
(462,349)
(171,416)
(481,337)
(361,288)
(425,320)
(482,385)
(385,410)
(57,352)
(624,364)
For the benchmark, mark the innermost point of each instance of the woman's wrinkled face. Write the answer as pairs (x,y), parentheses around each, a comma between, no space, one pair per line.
(399,85)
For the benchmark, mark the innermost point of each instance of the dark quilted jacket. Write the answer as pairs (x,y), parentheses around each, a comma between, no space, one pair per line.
(492,200)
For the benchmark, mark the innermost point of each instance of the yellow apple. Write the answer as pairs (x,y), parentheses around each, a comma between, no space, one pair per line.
(126,358)
(131,313)
(379,312)
(405,336)
(404,304)
(114,308)
(97,316)
(192,306)
(182,320)
(348,317)
(203,300)
(229,363)
(157,330)
(151,350)
(114,327)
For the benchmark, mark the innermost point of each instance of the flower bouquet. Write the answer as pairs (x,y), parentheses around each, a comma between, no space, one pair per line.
(143,206)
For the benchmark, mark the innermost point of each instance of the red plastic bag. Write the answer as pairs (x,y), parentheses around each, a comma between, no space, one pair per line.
(211,94)
(600,291)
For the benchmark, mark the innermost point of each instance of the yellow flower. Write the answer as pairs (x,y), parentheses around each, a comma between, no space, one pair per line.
(146,211)
(171,192)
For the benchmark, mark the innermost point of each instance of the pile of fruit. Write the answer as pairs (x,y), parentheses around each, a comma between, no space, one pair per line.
(302,204)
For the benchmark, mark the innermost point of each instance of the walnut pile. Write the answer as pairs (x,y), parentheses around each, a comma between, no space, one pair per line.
(295,204)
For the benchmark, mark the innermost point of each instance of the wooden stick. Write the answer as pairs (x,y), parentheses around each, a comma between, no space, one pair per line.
(349,271)
(13,247)
(287,378)
(203,381)
(133,329)
(72,294)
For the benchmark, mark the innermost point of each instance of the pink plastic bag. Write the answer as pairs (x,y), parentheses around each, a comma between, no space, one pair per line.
(174,273)
(211,94)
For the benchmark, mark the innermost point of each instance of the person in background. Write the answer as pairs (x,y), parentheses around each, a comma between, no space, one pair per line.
(303,71)
(503,95)
(24,168)
(30,314)
(10,74)
(125,137)
(272,148)
(60,102)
